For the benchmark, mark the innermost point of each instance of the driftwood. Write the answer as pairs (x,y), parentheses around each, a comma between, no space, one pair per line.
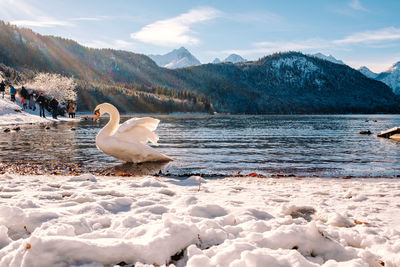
(395,137)
(389,133)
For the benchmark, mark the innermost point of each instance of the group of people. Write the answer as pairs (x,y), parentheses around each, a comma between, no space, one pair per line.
(29,99)
(13,92)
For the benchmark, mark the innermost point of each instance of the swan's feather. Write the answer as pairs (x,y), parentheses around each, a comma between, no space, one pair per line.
(138,130)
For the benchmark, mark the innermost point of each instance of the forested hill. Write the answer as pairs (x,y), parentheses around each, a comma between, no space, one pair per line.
(21,47)
(287,83)
(277,84)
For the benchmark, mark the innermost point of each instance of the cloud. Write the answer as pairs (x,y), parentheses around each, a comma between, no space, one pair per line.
(15,8)
(41,22)
(175,31)
(262,48)
(87,19)
(385,34)
(378,39)
(114,44)
(356,5)
(258,17)
(122,44)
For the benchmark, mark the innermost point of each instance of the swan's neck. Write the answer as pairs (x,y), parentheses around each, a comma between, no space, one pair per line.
(113,123)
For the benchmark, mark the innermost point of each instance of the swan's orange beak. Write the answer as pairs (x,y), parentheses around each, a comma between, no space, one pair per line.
(96,115)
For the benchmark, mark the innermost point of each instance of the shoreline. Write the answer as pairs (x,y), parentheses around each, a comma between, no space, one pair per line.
(97,220)
(12,114)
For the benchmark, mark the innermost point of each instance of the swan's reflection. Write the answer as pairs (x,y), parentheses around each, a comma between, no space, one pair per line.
(147,168)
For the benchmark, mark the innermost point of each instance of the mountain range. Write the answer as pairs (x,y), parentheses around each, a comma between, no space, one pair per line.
(232,58)
(182,58)
(282,83)
(391,77)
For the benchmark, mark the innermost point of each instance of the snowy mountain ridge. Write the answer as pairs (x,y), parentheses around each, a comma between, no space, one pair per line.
(296,61)
(367,72)
(329,58)
(391,77)
(234,58)
(177,58)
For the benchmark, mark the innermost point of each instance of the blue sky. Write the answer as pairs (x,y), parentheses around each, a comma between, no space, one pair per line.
(359,32)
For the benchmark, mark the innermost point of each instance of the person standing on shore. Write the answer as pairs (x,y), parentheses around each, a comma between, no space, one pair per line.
(12,93)
(2,88)
(54,107)
(32,104)
(70,109)
(42,103)
(73,109)
(24,97)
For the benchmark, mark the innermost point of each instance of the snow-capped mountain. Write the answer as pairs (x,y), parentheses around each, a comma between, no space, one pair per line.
(216,61)
(234,58)
(178,58)
(391,77)
(329,58)
(367,72)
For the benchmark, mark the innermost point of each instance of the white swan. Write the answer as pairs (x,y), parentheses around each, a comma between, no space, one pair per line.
(127,141)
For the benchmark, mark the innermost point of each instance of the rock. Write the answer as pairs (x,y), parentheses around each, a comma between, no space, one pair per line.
(365,132)
(6,130)
(73,129)
(17,128)
(47,127)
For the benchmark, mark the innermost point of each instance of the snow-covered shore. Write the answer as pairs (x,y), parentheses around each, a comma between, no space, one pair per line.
(96,221)
(12,113)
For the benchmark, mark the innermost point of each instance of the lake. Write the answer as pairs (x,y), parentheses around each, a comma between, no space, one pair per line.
(309,145)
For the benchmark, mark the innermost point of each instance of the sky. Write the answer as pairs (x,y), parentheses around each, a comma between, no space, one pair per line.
(359,32)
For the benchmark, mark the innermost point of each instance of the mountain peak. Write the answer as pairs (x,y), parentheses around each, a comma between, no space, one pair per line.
(216,61)
(177,58)
(329,58)
(234,58)
(182,48)
(396,66)
(367,72)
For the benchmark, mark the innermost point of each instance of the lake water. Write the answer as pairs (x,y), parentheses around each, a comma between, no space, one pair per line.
(325,145)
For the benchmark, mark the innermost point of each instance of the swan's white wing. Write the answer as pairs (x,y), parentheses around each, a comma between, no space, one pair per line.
(138,130)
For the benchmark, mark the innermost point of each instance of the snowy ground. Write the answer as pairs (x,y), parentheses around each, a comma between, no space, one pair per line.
(96,221)
(11,113)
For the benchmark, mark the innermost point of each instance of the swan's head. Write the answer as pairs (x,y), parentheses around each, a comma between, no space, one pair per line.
(102,109)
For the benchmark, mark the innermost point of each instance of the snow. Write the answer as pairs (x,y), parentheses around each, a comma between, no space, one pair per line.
(234,58)
(392,79)
(92,220)
(329,58)
(178,58)
(12,113)
(367,72)
(296,61)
